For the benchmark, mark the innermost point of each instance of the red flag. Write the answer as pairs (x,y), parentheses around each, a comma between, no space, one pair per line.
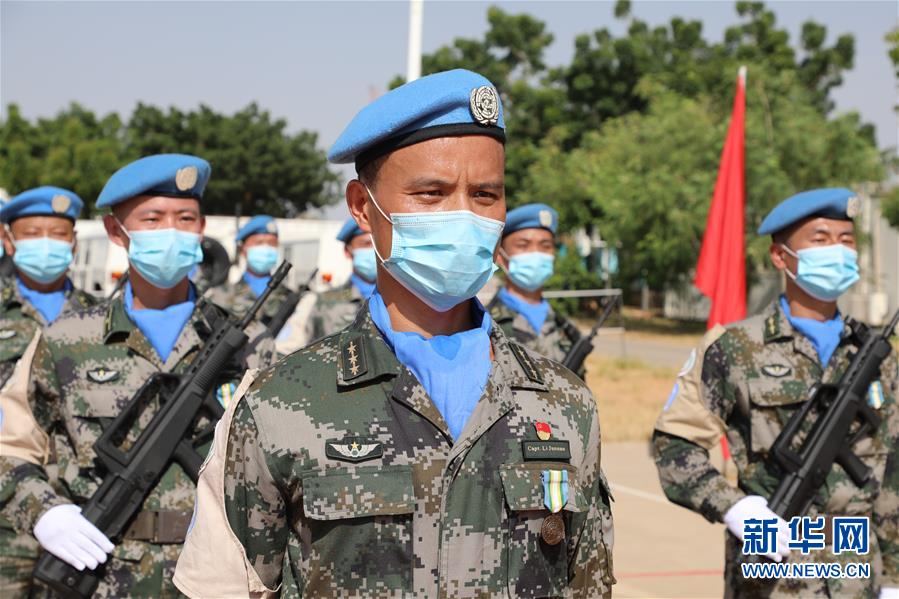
(721,270)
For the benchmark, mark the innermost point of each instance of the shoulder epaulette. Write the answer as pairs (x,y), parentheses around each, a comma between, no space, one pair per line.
(352,357)
(527,364)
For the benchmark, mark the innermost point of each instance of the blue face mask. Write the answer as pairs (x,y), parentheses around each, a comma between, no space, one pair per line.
(365,264)
(262,258)
(531,270)
(163,256)
(444,258)
(825,273)
(42,259)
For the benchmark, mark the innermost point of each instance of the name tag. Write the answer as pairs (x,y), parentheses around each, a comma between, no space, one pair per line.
(545,450)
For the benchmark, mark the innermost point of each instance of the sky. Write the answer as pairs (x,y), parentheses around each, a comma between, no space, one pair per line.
(317,63)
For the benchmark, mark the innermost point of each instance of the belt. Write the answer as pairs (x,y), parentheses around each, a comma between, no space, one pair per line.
(160,526)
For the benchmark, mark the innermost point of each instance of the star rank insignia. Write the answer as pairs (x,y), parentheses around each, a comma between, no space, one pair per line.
(353,359)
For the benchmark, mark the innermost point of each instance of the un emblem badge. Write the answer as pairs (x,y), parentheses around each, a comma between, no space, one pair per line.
(484,105)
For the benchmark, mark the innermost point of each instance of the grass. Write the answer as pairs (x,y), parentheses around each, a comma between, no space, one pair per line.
(630,395)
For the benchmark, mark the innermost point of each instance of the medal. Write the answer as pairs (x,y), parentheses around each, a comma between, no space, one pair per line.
(553,529)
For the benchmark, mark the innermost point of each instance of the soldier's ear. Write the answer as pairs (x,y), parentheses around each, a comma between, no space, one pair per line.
(778,256)
(114,231)
(356,199)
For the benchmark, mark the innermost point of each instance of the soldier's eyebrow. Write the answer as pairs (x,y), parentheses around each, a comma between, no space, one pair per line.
(489,186)
(425,182)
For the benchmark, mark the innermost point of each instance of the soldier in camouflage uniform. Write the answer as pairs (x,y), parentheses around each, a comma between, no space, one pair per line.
(258,240)
(526,255)
(80,372)
(335,309)
(42,224)
(396,459)
(748,378)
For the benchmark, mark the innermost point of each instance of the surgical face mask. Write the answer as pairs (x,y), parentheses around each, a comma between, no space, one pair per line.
(163,256)
(530,270)
(262,258)
(365,264)
(42,258)
(825,273)
(443,258)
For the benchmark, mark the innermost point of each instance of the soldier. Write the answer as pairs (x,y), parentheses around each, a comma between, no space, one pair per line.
(747,379)
(258,244)
(526,255)
(418,452)
(335,309)
(82,369)
(41,242)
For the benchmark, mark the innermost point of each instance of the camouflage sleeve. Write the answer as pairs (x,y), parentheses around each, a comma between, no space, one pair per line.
(30,399)
(590,564)
(685,431)
(260,351)
(886,506)
(256,511)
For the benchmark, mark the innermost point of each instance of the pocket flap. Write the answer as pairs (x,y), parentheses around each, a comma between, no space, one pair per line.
(523,486)
(369,491)
(96,403)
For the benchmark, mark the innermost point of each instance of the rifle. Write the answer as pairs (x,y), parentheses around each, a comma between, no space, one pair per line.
(277,322)
(583,344)
(133,470)
(840,406)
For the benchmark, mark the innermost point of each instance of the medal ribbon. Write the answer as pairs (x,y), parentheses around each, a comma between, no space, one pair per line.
(555,489)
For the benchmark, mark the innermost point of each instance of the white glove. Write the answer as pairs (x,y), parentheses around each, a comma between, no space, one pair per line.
(754,506)
(889,592)
(68,535)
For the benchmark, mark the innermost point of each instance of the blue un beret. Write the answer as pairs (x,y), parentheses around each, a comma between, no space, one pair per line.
(43,201)
(349,230)
(531,216)
(446,104)
(258,224)
(832,202)
(176,175)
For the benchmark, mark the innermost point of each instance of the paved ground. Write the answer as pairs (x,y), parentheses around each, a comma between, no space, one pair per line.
(661,550)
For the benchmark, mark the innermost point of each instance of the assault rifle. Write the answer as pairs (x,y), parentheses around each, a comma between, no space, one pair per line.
(133,468)
(583,344)
(288,306)
(842,417)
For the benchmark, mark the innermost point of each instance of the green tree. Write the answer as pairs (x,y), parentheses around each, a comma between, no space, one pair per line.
(890,203)
(255,162)
(75,149)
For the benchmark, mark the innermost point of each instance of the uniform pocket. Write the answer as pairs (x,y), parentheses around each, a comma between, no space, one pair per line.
(359,523)
(769,412)
(535,566)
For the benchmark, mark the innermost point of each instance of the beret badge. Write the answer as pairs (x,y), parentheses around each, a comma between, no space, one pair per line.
(484,105)
(186,178)
(60,203)
(546,219)
(852,207)
(271,227)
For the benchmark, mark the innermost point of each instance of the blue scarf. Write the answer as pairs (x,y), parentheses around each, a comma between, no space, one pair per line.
(535,314)
(49,305)
(453,369)
(161,327)
(825,336)
(257,284)
(363,286)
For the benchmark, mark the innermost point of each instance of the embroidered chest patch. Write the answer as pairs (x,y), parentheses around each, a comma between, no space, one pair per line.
(353,449)
(776,371)
(102,375)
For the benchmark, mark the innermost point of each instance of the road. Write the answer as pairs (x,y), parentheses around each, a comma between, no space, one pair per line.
(661,550)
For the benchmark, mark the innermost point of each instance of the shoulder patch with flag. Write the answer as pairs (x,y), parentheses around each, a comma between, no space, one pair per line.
(875,395)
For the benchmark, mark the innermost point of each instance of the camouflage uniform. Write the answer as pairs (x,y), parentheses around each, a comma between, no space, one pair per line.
(414,514)
(747,381)
(238,298)
(18,322)
(552,340)
(333,311)
(85,367)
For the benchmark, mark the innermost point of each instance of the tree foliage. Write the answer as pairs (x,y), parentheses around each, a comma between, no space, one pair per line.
(255,162)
